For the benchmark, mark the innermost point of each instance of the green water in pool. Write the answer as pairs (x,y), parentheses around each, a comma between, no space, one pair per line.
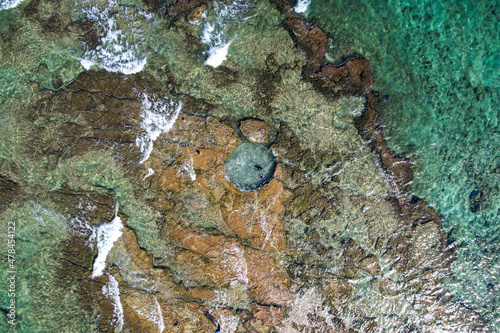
(250,166)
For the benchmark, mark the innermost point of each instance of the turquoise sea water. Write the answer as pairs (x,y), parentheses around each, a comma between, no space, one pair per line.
(437,64)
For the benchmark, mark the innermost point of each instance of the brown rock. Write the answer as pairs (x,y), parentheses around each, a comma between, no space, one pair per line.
(354,257)
(196,14)
(184,7)
(260,223)
(144,312)
(204,133)
(170,306)
(230,261)
(310,39)
(171,180)
(352,78)
(270,316)
(338,290)
(255,131)
(268,284)
(116,85)
(97,111)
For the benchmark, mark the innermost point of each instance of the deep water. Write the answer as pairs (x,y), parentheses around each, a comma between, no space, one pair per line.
(436,63)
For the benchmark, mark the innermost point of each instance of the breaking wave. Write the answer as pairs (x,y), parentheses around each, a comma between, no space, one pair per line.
(219,30)
(121,46)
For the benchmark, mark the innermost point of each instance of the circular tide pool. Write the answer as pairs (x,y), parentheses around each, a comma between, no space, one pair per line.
(250,166)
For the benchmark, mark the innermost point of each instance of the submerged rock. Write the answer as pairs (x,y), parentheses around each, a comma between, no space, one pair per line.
(250,166)
(196,15)
(9,191)
(330,243)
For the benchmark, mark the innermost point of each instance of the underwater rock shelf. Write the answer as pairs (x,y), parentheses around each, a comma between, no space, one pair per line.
(250,166)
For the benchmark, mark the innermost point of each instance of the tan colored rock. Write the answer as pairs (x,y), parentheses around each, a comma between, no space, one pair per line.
(259,222)
(230,261)
(269,316)
(204,133)
(255,131)
(172,180)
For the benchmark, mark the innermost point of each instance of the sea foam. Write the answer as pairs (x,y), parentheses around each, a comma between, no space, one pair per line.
(121,46)
(112,292)
(158,116)
(218,55)
(8,4)
(154,314)
(216,31)
(107,235)
(302,6)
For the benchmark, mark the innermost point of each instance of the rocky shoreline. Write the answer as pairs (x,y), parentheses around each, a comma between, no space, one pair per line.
(332,244)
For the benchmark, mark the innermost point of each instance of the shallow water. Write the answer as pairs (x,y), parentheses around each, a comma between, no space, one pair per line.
(250,166)
(436,63)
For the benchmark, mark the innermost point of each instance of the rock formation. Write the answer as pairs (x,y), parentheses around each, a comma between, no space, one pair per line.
(331,244)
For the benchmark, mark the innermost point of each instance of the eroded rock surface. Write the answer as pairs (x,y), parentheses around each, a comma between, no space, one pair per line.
(256,131)
(277,257)
(331,244)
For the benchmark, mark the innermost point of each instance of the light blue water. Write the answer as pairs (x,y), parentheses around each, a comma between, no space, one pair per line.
(437,63)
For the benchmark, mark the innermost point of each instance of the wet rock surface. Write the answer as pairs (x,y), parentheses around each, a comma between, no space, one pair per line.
(331,244)
(258,259)
(256,131)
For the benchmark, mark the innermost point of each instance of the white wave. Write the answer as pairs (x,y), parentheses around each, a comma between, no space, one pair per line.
(302,6)
(107,235)
(158,116)
(218,55)
(215,34)
(149,174)
(8,4)
(118,51)
(154,314)
(159,321)
(112,292)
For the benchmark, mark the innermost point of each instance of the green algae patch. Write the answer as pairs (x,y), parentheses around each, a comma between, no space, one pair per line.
(99,171)
(250,166)
(44,302)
